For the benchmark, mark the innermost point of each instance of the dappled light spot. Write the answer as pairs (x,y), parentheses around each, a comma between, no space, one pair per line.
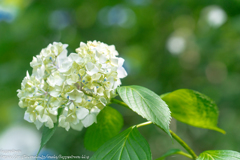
(176,45)
(117,16)
(22,138)
(214,15)
(7,14)
(59,19)
(139,2)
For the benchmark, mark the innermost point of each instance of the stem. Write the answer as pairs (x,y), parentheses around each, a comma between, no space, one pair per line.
(173,153)
(182,143)
(185,154)
(120,103)
(144,124)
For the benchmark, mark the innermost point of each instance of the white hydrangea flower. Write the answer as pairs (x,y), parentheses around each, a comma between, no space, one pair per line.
(82,84)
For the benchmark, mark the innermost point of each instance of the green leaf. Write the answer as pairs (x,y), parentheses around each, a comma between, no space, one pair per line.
(48,133)
(128,145)
(172,152)
(109,123)
(169,153)
(147,104)
(219,155)
(193,108)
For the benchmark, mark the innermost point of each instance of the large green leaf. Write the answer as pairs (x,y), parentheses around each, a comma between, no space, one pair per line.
(48,133)
(128,145)
(147,104)
(219,155)
(109,123)
(193,108)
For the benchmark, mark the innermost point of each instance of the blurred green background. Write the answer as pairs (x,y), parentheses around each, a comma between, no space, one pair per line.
(166,45)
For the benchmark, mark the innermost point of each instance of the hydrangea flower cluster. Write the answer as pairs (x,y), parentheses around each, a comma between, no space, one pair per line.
(81,84)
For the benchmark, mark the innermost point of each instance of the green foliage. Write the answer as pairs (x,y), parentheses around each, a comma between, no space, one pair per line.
(128,145)
(109,124)
(193,108)
(219,155)
(147,104)
(173,152)
(169,153)
(48,133)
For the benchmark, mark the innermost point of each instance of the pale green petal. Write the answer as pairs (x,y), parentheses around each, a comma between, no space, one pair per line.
(63,62)
(75,57)
(114,61)
(82,44)
(42,119)
(49,123)
(120,62)
(101,57)
(89,120)
(53,111)
(27,117)
(82,113)
(71,106)
(91,68)
(96,76)
(63,123)
(39,109)
(77,127)
(72,79)
(76,95)
(103,101)
(38,124)
(95,110)
(55,79)
(32,117)
(55,92)
(121,72)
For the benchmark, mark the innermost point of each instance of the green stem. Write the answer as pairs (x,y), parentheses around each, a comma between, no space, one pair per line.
(144,124)
(182,143)
(169,153)
(120,103)
(174,135)
(185,154)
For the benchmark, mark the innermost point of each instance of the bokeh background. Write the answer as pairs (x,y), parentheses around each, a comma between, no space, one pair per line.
(167,45)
